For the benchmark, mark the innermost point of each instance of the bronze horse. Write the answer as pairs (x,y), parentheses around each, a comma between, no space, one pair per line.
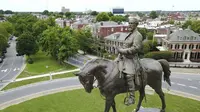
(107,74)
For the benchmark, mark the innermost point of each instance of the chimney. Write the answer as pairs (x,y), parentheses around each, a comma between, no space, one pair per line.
(101,23)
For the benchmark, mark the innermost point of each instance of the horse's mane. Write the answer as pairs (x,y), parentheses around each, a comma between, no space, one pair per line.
(99,61)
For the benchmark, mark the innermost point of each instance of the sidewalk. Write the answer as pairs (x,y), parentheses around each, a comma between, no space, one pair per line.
(186,70)
(44,75)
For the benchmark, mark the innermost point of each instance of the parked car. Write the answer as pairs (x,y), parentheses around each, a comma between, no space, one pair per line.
(1,60)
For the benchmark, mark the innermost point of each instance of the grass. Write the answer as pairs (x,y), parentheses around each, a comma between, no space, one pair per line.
(30,81)
(80,101)
(41,61)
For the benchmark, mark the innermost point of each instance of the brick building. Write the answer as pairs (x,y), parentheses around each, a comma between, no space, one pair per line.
(103,29)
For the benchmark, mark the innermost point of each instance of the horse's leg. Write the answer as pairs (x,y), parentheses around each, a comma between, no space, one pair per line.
(142,93)
(113,106)
(162,97)
(108,104)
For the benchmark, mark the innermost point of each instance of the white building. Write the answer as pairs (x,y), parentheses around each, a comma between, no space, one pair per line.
(64,10)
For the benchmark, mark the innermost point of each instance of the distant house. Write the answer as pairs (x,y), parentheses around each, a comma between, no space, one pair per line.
(115,39)
(176,16)
(63,22)
(105,28)
(185,45)
(80,24)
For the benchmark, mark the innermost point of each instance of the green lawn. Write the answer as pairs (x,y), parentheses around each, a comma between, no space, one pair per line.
(80,101)
(30,81)
(41,60)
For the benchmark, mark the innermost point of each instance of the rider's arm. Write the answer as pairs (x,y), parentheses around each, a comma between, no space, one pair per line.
(135,48)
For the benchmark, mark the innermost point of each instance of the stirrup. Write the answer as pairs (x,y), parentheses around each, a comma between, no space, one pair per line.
(127,101)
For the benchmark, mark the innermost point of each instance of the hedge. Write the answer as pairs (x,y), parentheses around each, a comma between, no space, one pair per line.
(159,55)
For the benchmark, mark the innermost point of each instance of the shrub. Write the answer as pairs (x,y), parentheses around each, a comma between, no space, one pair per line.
(159,55)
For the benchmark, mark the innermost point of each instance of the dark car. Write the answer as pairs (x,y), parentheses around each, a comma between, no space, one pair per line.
(1,60)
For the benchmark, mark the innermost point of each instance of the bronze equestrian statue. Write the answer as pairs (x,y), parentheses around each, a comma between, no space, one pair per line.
(107,74)
(128,59)
(138,73)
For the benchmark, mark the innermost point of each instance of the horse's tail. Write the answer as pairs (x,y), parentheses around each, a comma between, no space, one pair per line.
(165,65)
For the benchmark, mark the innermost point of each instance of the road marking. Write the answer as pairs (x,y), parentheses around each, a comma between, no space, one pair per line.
(15,69)
(18,68)
(172,83)
(3,63)
(190,79)
(193,87)
(4,70)
(181,84)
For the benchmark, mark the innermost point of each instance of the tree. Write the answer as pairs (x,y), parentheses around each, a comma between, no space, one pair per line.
(26,44)
(153,14)
(150,35)
(69,15)
(8,27)
(186,24)
(118,18)
(110,14)
(22,23)
(3,30)
(146,48)
(51,21)
(45,12)
(143,32)
(3,43)
(59,43)
(140,14)
(38,28)
(171,22)
(8,12)
(94,13)
(196,26)
(1,12)
(68,47)
(84,38)
(103,16)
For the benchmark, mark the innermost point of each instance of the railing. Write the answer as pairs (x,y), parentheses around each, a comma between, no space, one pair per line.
(39,76)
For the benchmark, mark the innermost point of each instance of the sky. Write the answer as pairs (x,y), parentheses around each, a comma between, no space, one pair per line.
(99,5)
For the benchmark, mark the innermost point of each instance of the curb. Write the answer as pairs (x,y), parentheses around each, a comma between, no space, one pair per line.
(178,93)
(36,95)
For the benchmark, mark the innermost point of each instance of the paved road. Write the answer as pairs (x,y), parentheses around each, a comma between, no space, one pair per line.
(181,82)
(185,82)
(11,65)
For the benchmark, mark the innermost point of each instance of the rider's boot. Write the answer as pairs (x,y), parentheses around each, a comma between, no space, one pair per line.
(131,86)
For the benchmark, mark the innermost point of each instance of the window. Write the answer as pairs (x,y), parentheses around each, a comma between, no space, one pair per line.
(121,28)
(112,29)
(126,29)
(188,38)
(178,37)
(191,38)
(195,38)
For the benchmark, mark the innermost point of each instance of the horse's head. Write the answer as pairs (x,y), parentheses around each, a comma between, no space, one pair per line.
(87,73)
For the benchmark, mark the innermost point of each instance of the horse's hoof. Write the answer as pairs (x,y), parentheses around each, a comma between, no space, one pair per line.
(162,110)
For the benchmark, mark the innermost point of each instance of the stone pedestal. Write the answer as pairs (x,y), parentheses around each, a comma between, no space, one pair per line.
(149,110)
